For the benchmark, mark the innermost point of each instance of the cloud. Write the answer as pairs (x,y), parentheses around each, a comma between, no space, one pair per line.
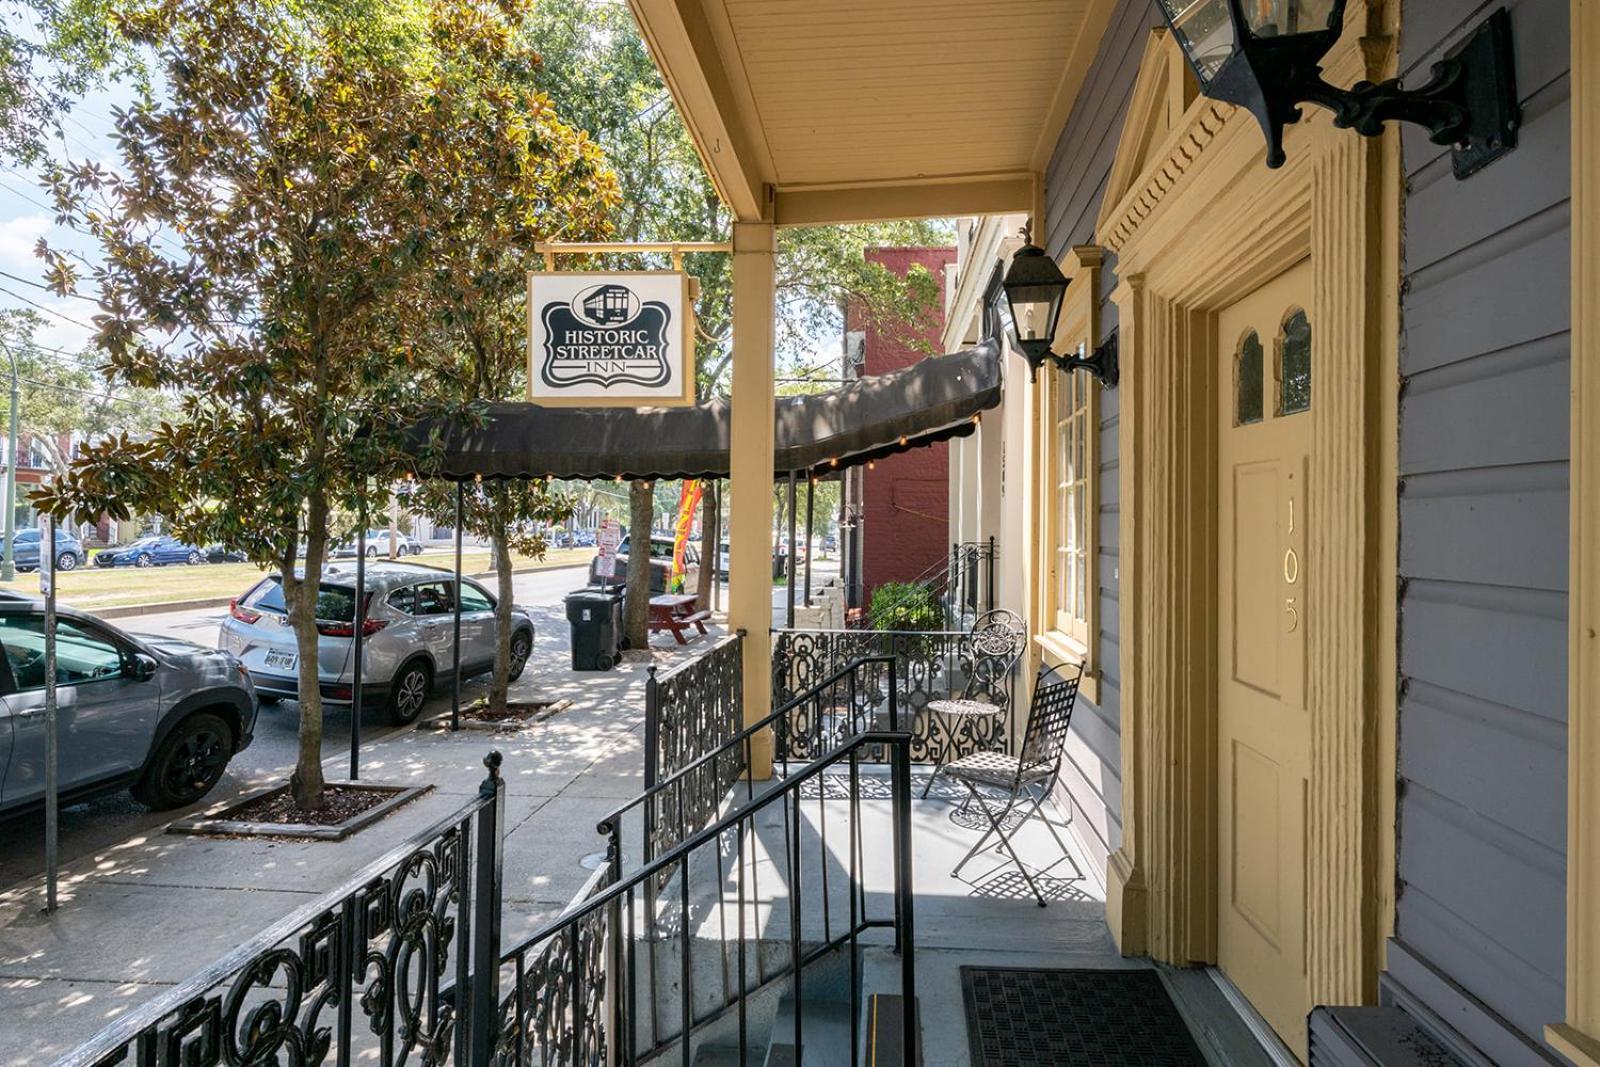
(17,239)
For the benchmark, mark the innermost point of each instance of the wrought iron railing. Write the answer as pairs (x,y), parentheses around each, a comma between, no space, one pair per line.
(970,585)
(665,946)
(924,666)
(803,727)
(367,973)
(692,711)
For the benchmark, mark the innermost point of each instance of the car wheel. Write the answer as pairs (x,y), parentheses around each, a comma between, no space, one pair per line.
(372,553)
(66,562)
(194,559)
(143,561)
(188,763)
(411,688)
(521,648)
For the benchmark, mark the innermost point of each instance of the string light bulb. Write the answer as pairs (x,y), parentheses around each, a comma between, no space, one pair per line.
(902,440)
(872,464)
(833,461)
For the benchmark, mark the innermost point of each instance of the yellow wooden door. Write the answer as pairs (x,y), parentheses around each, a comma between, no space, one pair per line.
(1263,741)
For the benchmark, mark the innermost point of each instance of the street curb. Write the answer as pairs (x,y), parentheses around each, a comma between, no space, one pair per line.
(127,611)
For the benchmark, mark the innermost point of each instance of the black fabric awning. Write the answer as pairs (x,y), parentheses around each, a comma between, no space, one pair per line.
(932,400)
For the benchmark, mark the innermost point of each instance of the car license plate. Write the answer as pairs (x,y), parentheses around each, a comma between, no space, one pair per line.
(284,660)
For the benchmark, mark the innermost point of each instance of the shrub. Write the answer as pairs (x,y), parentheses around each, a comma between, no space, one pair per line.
(905,606)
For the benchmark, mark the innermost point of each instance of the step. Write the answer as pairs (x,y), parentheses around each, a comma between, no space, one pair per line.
(826,1035)
(885,1024)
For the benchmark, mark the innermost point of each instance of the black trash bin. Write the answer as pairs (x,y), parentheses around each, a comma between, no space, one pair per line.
(595,618)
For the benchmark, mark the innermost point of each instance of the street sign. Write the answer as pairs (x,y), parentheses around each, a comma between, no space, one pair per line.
(615,339)
(606,541)
(47,555)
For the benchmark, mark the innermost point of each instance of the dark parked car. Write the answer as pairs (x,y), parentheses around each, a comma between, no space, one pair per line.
(660,564)
(26,545)
(157,714)
(219,554)
(155,551)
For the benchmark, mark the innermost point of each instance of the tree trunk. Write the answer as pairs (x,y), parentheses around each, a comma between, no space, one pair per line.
(500,550)
(708,543)
(301,599)
(394,525)
(641,512)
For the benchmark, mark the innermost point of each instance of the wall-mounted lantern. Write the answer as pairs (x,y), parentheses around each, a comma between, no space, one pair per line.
(1266,55)
(1035,288)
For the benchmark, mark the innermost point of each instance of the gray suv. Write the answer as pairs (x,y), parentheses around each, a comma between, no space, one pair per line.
(159,715)
(410,629)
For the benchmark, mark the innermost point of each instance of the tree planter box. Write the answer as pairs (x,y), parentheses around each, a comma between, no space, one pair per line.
(535,712)
(226,821)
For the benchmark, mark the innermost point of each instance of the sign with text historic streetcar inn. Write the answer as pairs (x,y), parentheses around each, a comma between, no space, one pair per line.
(620,339)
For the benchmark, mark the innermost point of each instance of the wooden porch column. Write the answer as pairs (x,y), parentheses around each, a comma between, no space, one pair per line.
(750,482)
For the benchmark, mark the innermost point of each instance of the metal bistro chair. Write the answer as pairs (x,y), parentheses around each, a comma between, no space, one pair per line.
(1026,780)
(998,640)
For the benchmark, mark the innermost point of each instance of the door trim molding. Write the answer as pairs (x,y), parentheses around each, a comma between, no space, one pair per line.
(1205,223)
(1578,1037)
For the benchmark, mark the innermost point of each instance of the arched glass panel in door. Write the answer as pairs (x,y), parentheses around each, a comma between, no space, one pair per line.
(1248,389)
(1294,365)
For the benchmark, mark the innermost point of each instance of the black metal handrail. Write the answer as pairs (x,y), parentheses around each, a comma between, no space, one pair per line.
(698,789)
(381,944)
(554,1015)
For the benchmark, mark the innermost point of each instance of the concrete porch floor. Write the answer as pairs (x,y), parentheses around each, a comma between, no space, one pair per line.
(986,917)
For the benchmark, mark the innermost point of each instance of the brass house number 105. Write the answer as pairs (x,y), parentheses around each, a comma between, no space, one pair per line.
(1291,574)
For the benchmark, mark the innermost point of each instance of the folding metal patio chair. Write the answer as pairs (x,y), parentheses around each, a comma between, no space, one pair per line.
(999,638)
(1026,780)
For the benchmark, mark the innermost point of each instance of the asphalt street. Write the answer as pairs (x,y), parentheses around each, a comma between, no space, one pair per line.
(95,825)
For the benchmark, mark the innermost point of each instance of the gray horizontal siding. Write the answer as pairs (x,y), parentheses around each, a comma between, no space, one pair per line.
(1484,442)
(1075,184)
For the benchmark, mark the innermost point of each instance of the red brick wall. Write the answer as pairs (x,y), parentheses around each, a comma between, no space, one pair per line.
(906,527)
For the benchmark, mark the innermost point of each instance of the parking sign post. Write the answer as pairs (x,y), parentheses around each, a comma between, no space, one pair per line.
(47,587)
(358,634)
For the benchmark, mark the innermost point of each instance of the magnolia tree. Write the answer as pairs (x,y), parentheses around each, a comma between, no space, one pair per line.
(269,242)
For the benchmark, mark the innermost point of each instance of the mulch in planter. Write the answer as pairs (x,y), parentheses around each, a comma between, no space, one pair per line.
(339,804)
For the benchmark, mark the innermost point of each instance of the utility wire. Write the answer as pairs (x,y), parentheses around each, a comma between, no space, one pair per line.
(46,288)
(45,309)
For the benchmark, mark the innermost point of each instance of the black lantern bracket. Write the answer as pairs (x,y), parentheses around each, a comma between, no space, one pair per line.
(1101,363)
(1469,102)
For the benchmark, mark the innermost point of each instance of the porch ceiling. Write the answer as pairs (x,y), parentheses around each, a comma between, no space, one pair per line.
(830,111)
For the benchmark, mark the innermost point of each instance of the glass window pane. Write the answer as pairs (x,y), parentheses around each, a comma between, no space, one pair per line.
(1294,371)
(1248,404)
(473,599)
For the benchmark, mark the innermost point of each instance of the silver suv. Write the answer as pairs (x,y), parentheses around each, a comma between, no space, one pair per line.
(409,613)
(160,715)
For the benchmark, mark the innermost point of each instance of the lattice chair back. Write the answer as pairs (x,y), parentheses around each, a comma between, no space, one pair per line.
(1049,717)
(999,638)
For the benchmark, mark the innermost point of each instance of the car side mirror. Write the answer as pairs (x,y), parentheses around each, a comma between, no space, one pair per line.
(141,669)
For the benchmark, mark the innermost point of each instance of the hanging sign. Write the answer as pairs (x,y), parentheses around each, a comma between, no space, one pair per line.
(623,339)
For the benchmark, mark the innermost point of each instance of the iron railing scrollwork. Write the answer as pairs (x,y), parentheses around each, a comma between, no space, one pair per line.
(368,972)
(925,666)
(691,711)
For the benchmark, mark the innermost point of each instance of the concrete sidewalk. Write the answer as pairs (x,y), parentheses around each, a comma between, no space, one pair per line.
(146,911)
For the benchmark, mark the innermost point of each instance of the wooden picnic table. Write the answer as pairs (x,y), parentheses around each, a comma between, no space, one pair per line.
(675,612)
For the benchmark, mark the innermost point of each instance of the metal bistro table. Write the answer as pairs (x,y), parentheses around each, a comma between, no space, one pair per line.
(960,719)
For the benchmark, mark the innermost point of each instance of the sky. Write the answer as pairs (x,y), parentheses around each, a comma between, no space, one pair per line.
(26,216)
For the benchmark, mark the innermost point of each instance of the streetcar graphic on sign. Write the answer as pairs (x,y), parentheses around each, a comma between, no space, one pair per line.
(608,338)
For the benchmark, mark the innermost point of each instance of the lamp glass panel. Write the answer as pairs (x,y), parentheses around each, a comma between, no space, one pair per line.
(1278,18)
(1031,308)
(1205,31)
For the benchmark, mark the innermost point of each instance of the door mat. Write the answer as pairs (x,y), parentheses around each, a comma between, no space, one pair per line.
(1022,1017)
